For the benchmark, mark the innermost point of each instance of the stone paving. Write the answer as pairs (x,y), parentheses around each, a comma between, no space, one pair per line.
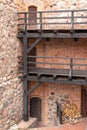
(79,126)
(82,125)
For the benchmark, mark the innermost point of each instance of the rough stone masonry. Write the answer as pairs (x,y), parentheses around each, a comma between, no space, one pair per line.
(11,88)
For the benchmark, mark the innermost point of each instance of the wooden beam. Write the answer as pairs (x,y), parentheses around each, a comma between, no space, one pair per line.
(72,22)
(34,44)
(39,75)
(52,35)
(54,76)
(71,69)
(34,87)
(61,81)
(25,82)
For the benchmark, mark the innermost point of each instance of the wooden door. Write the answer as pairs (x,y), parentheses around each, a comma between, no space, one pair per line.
(33,20)
(32,17)
(84,102)
(35,108)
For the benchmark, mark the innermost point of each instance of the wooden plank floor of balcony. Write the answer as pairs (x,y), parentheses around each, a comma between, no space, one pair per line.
(58,72)
(51,34)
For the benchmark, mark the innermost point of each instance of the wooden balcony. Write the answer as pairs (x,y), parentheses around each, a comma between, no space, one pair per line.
(54,24)
(57,69)
(63,70)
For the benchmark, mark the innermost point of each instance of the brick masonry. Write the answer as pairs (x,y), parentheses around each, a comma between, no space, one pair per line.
(59,47)
(11,88)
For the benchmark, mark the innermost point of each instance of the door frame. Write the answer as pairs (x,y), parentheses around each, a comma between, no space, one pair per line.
(84,101)
(40,105)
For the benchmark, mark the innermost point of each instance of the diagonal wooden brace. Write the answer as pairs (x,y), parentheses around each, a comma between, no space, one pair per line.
(34,87)
(34,44)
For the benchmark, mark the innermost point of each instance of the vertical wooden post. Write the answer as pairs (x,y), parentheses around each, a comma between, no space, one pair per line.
(71,68)
(40,21)
(25,114)
(25,22)
(72,21)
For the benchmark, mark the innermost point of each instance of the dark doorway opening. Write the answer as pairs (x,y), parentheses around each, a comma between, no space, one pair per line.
(32,60)
(35,108)
(32,17)
(32,26)
(84,101)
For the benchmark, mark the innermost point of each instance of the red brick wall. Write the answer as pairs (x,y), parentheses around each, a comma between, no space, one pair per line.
(59,47)
(63,47)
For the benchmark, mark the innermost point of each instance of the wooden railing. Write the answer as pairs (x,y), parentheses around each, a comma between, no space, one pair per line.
(71,19)
(56,68)
(58,62)
(52,62)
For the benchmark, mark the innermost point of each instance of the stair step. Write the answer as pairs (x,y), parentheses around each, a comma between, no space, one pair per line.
(32,123)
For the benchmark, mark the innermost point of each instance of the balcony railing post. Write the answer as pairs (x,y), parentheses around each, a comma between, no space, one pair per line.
(40,21)
(71,68)
(72,21)
(25,22)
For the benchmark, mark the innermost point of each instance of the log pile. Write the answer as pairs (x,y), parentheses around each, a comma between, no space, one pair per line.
(70,113)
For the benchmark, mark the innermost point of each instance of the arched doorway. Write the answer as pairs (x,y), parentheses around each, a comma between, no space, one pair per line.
(35,108)
(32,26)
(32,17)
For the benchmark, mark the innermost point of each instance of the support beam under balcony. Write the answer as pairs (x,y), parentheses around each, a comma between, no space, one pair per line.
(53,35)
(34,44)
(58,80)
(25,82)
(34,87)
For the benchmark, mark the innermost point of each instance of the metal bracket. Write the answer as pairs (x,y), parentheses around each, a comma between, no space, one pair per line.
(54,76)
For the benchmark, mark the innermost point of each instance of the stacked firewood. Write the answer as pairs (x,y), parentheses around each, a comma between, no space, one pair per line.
(70,113)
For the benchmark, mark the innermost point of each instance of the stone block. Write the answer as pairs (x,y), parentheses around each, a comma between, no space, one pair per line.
(32,123)
(14,127)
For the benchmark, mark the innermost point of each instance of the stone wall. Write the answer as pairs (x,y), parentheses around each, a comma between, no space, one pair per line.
(51,4)
(50,93)
(11,89)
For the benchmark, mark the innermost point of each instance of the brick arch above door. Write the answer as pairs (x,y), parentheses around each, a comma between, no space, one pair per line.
(38,5)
